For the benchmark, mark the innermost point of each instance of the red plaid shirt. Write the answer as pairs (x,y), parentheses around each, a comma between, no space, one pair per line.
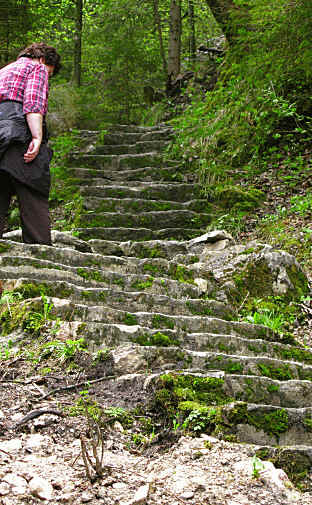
(25,81)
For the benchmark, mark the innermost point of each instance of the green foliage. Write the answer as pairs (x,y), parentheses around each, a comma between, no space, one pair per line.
(259,114)
(130,319)
(257,467)
(63,108)
(156,339)
(120,414)
(63,351)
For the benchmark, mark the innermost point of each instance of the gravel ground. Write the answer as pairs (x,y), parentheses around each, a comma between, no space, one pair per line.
(196,471)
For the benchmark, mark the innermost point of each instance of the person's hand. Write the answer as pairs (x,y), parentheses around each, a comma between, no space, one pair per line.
(32,151)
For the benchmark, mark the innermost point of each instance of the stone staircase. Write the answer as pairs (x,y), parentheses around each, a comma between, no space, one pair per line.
(135,279)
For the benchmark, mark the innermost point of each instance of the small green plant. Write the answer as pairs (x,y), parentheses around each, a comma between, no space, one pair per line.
(10,298)
(63,351)
(257,467)
(120,414)
(176,423)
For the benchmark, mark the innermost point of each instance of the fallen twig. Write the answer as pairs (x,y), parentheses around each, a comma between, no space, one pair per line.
(37,413)
(74,386)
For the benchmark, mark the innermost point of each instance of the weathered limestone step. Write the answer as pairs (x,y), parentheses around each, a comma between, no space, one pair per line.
(91,265)
(291,425)
(263,390)
(135,301)
(119,138)
(147,249)
(177,192)
(135,205)
(258,365)
(245,347)
(251,423)
(116,161)
(151,220)
(124,234)
(159,321)
(282,371)
(161,128)
(126,282)
(147,173)
(253,389)
(139,147)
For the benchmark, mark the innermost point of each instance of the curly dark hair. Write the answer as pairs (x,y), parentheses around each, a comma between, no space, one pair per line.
(42,50)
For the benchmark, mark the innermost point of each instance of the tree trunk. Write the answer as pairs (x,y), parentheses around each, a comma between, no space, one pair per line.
(157,21)
(77,38)
(223,10)
(174,51)
(191,17)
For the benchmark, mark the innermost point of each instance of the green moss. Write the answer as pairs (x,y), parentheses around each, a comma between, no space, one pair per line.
(308,423)
(194,259)
(229,366)
(119,281)
(299,281)
(130,319)
(141,285)
(86,295)
(81,329)
(199,310)
(156,339)
(4,248)
(230,197)
(280,373)
(273,423)
(294,354)
(160,321)
(93,275)
(146,252)
(149,267)
(188,392)
(273,388)
(181,274)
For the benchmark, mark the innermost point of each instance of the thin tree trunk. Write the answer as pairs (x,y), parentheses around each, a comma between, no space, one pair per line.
(77,48)
(157,21)
(191,17)
(174,52)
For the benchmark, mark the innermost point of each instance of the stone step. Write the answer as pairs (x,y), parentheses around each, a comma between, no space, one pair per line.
(147,249)
(94,265)
(135,205)
(151,220)
(138,147)
(175,192)
(290,425)
(124,234)
(170,174)
(119,138)
(158,321)
(245,347)
(244,388)
(79,287)
(134,301)
(115,161)
(160,128)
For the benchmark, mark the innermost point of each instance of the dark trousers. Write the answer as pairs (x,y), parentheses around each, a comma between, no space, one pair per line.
(33,207)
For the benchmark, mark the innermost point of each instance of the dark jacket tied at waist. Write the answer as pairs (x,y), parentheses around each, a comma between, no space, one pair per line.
(15,137)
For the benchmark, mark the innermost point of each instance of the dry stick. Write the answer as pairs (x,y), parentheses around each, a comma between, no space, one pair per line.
(242,304)
(74,386)
(36,413)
